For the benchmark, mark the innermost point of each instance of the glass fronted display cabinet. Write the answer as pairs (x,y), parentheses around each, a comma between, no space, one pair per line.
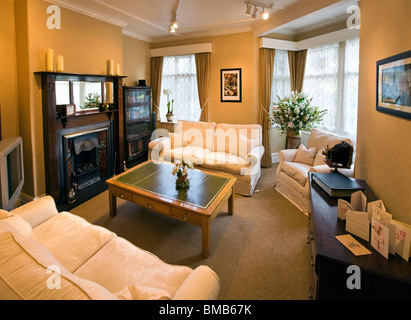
(139,124)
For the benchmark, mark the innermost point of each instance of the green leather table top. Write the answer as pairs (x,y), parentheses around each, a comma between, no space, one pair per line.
(157,178)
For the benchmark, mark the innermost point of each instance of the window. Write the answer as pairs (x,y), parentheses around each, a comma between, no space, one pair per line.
(331,79)
(281,76)
(179,76)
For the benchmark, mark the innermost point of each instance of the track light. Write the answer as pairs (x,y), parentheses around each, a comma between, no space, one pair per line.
(264,15)
(254,15)
(248,10)
(172,29)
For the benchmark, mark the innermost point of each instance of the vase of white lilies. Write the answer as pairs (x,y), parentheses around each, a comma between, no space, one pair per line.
(180,170)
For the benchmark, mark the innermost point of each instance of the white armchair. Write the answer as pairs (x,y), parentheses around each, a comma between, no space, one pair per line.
(292,171)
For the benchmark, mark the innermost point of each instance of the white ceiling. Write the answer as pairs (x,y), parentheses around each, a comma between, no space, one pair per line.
(149,20)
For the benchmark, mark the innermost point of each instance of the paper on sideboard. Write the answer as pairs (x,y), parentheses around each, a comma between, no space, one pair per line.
(403,239)
(358,224)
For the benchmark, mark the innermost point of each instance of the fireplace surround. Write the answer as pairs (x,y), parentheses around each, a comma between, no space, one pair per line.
(71,176)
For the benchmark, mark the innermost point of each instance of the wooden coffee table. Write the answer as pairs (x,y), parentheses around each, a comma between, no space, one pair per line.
(151,185)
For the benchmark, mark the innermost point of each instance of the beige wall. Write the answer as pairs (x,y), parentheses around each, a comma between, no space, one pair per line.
(231,51)
(8,71)
(85,43)
(136,61)
(383,141)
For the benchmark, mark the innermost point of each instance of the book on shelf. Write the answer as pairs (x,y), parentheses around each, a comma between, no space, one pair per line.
(336,184)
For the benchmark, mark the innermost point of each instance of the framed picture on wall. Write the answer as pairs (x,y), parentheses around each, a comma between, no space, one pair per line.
(231,84)
(394,85)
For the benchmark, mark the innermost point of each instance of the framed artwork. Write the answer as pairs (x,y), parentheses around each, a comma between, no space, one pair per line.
(394,85)
(231,83)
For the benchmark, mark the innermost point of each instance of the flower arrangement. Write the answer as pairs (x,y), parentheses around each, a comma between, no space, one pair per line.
(170,104)
(92,101)
(296,113)
(180,170)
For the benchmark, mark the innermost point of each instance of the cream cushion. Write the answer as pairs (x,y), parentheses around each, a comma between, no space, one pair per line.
(132,266)
(320,139)
(142,293)
(81,239)
(19,224)
(305,155)
(34,278)
(319,158)
(296,170)
(194,133)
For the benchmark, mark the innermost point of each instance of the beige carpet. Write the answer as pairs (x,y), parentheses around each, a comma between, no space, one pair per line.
(259,253)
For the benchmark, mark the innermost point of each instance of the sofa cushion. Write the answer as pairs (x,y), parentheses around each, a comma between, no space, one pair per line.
(194,133)
(223,161)
(18,223)
(194,153)
(29,271)
(321,139)
(236,139)
(142,293)
(129,265)
(305,155)
(319,158)
(71,239)
(296,170)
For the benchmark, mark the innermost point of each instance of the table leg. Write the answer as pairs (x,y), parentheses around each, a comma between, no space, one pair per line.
(205,236)
(112,199)
(231,204)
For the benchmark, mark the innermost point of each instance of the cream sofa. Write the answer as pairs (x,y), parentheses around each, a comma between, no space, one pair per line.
(46,255)
(235,149)
(292,171)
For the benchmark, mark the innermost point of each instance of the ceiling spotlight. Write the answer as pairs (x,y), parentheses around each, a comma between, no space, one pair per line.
(264,15)
(254,15)
(172,29)
(175,24)
(248,10)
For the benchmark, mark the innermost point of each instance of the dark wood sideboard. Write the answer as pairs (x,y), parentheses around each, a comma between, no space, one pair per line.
(380,278)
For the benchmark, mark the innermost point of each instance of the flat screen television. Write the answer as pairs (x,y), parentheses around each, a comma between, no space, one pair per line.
(11,172)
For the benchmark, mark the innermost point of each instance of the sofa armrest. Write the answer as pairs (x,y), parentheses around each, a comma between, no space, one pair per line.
(202,284)
(157,147)
(287,155)
(253,161)
(326,169)
(37,211)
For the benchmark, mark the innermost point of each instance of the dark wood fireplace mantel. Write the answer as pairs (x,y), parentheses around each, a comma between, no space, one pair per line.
(52,123)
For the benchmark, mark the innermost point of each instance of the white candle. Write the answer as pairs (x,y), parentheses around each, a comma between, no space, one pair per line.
(50,60)
(117,69)
(111,67)
(60,63)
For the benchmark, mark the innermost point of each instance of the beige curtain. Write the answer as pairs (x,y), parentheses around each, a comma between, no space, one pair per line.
(266,78)
(296,60)
(203,83)
(156,76)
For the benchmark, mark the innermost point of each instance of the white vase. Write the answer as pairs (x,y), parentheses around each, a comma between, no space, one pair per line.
(170,117)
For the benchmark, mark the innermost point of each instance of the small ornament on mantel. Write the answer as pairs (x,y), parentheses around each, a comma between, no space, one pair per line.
(118,69)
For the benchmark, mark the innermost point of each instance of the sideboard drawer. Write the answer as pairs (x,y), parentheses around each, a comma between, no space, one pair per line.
(151,204)
(186,216)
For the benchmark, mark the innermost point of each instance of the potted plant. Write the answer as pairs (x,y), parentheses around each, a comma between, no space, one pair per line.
(170,105)
(295,113)
(180,170)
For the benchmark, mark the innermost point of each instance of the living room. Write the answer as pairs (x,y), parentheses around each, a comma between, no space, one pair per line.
(87,43)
